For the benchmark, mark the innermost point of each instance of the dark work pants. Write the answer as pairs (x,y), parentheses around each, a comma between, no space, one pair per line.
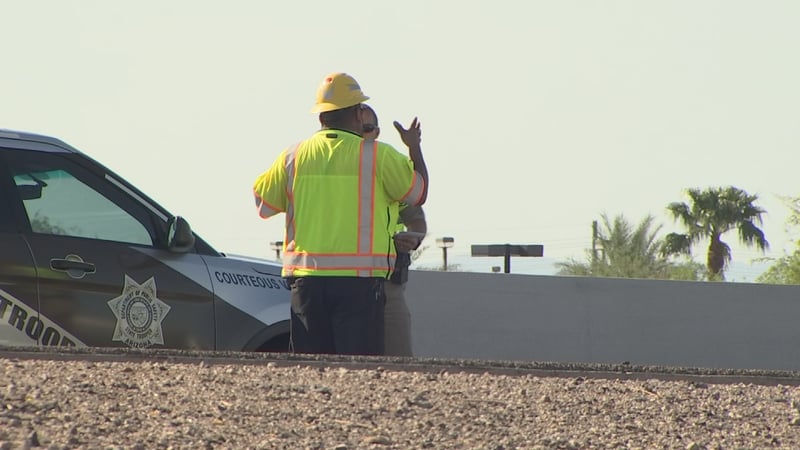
(341,315)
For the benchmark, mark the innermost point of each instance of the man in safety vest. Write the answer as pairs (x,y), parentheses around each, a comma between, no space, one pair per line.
(396,316)
(337,191)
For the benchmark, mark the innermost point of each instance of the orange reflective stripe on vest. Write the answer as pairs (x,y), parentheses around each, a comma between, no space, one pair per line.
(291,170)
(414,193)
(364,265)
(366,200)
(265,209)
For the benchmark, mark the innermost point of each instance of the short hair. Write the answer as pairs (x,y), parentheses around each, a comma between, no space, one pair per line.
(366,107)
(337,116)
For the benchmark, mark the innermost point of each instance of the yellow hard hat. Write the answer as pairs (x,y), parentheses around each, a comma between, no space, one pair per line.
(338,91)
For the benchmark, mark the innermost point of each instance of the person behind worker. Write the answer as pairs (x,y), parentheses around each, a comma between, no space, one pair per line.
(337,190)
(397,317)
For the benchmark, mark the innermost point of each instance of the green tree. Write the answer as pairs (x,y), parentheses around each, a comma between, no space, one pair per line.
(786,270)
(710,214)
(626,251)
(42,224)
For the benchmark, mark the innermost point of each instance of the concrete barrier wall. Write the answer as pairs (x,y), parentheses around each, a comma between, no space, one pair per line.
(603,320)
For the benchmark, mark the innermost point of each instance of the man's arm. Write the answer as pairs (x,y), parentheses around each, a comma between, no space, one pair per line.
(413,217)
(412,137)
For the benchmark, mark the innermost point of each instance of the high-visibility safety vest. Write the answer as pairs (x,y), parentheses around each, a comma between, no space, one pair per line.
(337,190)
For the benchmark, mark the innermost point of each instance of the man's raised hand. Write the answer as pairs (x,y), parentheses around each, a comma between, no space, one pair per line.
(412,137)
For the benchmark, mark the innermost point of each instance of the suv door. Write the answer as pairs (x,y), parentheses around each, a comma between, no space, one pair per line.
(97,249)
(18,300)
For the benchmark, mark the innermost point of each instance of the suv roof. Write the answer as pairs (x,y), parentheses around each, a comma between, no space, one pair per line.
(33,137)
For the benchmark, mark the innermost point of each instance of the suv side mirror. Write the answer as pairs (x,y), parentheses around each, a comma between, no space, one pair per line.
(180,238)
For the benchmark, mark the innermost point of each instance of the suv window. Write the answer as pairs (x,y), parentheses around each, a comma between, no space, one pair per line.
(62,198)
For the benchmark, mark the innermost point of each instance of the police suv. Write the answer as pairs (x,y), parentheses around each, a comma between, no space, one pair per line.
(86,259)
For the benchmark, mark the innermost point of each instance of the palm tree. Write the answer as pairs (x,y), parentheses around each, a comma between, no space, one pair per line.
(711,213)
(626,251)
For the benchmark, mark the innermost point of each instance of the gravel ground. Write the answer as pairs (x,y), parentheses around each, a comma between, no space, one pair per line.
(91,404)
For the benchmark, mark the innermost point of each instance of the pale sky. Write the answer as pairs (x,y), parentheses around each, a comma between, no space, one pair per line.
(537,116)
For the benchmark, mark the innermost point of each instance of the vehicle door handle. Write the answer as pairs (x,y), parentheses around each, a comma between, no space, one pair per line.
(68,264)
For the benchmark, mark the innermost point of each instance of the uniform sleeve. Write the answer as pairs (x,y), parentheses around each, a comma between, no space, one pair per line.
(411,213)
(401,182)
(270,189)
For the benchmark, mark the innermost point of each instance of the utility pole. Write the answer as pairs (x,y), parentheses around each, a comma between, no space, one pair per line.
(445,243)
(594,243)
(277,246)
